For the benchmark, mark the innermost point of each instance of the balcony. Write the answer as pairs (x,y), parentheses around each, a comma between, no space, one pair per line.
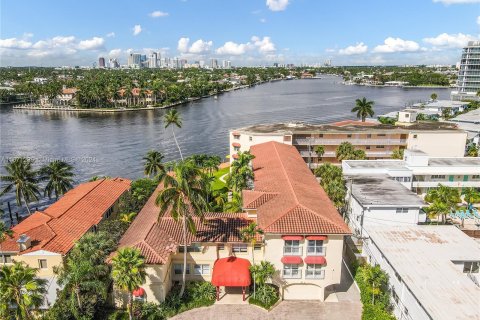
(355,142)
(330,154)
(292,251)
(316,251)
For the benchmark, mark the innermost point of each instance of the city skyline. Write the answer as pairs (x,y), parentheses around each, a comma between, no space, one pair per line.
(243,32)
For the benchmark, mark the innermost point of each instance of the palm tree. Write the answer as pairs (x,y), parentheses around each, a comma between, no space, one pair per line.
(345,151)
(472,151)
(127,217)
(444,196)
(235,204)
(320,151)
(21,289)
(128,272)
(470,195)
(183,196)
(262,272)
(363,108)
(21,177)
(434,96)
(59,176)
(153,163)
(249,234)
(241,172)
(172,117)
(436,209)
(4,233)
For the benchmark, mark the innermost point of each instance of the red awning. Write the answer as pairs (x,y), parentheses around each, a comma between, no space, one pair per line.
(235,156)
(231,272)
(236,144)
(316,237)
(292,237)
(291,260)
(139,292)
(315,260)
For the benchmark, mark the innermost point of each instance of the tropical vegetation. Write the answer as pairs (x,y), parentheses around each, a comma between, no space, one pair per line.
(59,176)
(331,179)
(363,108)
(266,294)
(153,163)
(442,200)
(346,151)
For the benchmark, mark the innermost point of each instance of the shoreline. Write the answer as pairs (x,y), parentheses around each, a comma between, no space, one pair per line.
(114,110)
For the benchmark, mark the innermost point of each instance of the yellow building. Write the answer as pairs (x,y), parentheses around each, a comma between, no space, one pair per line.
(303,233)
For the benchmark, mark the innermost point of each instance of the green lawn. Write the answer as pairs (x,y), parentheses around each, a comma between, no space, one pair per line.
(217,184)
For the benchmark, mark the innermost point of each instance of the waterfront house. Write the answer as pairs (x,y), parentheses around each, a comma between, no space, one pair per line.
(379,141)
(45,237)
(303,235)
(137,97)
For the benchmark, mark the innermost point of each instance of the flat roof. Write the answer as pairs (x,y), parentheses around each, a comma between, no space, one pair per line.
(380,190)
(457,162)
(376,164)
(423,257)
(299,128)
(471,116)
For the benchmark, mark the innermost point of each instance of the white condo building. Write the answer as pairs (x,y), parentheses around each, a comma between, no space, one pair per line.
(468,83)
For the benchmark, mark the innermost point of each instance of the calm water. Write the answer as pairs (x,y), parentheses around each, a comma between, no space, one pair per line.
(114,144)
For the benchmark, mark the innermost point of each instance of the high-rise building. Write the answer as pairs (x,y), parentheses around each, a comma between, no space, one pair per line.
(152,60)
(468,82)
(113,64)
(101,62)
(226,64)
(213,63)
(134,60)
(159,59)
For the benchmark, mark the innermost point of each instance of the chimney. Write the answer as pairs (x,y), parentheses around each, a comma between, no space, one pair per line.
(24,242)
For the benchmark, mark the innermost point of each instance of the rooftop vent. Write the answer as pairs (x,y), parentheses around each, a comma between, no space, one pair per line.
(295,124)
(24,242)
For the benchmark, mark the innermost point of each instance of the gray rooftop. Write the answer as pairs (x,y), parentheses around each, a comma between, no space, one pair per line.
(423,257)
(472,116)
(377,164)
(457,162)
(382,191)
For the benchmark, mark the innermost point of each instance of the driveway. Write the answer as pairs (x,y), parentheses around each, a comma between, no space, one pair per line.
(343,304)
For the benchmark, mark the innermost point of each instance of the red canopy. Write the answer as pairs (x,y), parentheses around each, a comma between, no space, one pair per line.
(236,144)
(231,272)
(139,292)
(291,260)
(315,260)
(292,237)
(316,237)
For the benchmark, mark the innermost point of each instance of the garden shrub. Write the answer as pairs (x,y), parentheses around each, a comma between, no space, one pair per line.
(265,296)
(375,312)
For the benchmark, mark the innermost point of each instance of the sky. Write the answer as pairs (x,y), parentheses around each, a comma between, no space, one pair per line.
(246,32)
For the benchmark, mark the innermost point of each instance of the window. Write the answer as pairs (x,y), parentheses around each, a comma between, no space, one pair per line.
(194,247)
(471,267)
(367,147)
(178,268)
(402,210)
(415,136)
(109,212)
(314,271)
(291,271)
(6,258)
(315,248)
(402,179)
(438,177)
(394,296)
(236,149)
(476,177)
(250,138)
(239,247)
(42,263)
(287,138)
(369,136)
(221,247)
(349,135)
(257,247)
(201,269)
(320,135)
(236,136)
(292,247)
(380,147)
(381,135)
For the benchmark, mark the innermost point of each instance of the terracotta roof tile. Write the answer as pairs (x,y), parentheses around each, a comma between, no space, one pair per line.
(279,168)
(58,227)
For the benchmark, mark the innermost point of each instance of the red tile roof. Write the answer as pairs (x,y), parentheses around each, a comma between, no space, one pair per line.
(58,227)
(345,123)
(301,206)
(69,90)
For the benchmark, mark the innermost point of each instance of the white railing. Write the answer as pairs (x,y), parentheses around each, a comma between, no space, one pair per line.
(292,251)
(316,251)
(365,141)
(332,154)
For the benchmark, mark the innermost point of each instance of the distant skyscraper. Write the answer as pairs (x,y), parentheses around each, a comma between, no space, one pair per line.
(159,59)
(226,64)
(183,62)
(134,60)
(468,82)
(101,62)
(113,63)
(213,63)
(152,60)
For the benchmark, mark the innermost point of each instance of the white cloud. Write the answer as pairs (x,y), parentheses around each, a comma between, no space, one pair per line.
(391,45)
(359,48)
(448,2)
(14,43)
(232,48)
(110,35)
(137,29)
(198,47)
(458,40)
(115,53)
(277,5)
(158,14)
(264,45)
(91,44)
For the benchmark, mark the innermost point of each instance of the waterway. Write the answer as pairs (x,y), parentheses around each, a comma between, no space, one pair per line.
(114,144)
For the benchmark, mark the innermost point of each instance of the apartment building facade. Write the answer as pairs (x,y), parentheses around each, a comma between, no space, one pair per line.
(379,141)
(303,234)
(468,82)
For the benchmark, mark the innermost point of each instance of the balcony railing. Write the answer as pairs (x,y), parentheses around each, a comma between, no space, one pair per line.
(292,251)
(292,274)
(366,141)
(310,274)
(316,251)
(332,154)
